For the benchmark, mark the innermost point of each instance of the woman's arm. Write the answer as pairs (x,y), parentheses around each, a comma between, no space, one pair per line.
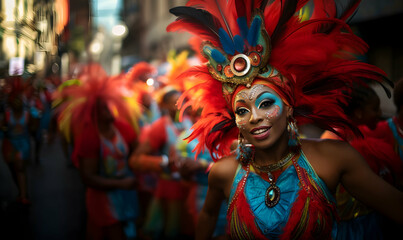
(208,215)
(219,185)
(362,183)
(89,174)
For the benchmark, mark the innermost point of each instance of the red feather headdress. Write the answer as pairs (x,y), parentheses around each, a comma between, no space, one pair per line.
(311,63)
(77,107)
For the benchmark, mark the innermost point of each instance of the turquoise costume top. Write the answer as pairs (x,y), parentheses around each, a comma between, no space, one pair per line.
(250,218)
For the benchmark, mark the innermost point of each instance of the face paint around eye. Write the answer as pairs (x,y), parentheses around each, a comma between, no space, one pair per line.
(277,100)
(273,112)
(240,117)
(240,122)
(276,108)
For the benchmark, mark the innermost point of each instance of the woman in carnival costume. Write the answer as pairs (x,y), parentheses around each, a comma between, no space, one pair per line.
(98,114)
(268,70)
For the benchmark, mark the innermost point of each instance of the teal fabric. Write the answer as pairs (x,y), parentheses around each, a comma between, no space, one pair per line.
(271,221)
(396,135)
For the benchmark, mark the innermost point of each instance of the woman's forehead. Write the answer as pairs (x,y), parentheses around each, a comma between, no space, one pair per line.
(253,92)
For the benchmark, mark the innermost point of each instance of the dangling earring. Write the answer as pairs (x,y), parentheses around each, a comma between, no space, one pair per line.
(292,129)
(244,151)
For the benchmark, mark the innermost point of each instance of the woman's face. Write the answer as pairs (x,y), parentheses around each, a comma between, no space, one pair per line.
(170,104)
(260,115)
(105,116)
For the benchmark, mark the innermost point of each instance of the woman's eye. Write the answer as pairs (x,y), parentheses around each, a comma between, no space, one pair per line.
(266,103)
(241,111)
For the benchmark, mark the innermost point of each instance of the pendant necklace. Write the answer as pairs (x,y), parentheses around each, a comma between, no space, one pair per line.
(272,195)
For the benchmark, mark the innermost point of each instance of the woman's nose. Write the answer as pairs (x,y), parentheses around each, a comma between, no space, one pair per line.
(255,116)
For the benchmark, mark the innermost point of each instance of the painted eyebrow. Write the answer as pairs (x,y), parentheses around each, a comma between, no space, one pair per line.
(240,101)
(260,94)
(240,104)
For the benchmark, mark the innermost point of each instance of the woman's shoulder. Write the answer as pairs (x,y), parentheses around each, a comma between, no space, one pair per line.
(328,158)
(224,169)
(324,147)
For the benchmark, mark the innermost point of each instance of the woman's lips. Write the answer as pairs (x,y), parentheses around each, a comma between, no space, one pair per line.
(260,132)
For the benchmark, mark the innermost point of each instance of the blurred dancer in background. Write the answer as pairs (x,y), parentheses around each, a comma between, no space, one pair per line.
(16,144)
(167,216)
(157,153)
(136,81)
(98,113)
(19,122)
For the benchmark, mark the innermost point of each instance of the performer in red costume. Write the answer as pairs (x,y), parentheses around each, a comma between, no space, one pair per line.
(104,136)
(268,71)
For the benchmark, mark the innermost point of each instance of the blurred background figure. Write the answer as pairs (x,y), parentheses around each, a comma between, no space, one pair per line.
(363,109)
(167,216)
(99,115)
(156,153)
(16,145)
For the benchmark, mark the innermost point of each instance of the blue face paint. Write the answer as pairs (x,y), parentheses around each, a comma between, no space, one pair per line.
(270,96)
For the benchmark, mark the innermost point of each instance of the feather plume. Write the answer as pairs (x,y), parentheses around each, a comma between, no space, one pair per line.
(197,21)
(78,109)
(254,32)
(140,72)
(223,10)
(226,42)
(239,43)
(198,15)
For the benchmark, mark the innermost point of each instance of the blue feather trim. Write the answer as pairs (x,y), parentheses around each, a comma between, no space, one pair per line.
(226,42)
(239,44)
(217,56)
(254,31)
(243,27)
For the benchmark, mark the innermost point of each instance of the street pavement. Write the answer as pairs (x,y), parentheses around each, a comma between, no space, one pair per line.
(57,210)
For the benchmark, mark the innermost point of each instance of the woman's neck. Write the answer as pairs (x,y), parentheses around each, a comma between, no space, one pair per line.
(273,153)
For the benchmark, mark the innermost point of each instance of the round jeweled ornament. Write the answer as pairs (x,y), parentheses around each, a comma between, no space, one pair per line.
(240,65)
(272,195)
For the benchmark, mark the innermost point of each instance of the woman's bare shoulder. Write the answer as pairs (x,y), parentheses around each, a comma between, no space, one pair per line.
(328,158)
(325,148)
(224,169)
